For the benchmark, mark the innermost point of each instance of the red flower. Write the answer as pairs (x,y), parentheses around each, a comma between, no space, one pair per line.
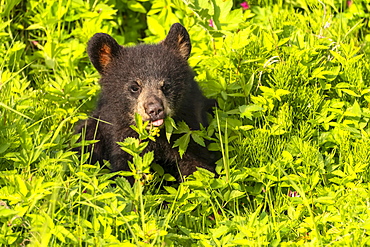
(244,5)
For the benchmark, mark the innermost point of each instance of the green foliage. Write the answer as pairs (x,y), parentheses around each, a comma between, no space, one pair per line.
(291,79)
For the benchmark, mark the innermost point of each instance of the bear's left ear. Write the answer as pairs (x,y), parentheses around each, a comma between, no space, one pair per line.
(178,40)
(102,49)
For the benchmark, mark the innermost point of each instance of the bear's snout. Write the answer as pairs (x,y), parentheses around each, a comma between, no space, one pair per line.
(155,110)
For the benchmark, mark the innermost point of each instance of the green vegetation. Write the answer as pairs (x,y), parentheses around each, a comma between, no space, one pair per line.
(292,80)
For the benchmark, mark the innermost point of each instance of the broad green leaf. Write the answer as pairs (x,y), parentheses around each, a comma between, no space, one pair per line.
(136,6)
(157,168)
(223,8)
(170,125)
(170,190)
(240,39)
(343,85)
(283,41)
(245,127)
(169,177)
(338,57)
(266,90)
(188,208)
(4,147)
(11,109)
(327,200)
(105,196)
(147,160)
(8,6)
(155,27)
(182,127)
(282,92)
(350,92)
(248,86)
(22,185)
(356,58)
(234,194)
(182,143)
(218,232)
(198,139)
(6,212)
(247,111)
(354,110)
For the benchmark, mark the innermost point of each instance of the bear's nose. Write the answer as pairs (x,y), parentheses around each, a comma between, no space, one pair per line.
(155,110)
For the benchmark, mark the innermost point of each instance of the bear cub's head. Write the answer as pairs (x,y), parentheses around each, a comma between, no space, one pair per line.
(152,80)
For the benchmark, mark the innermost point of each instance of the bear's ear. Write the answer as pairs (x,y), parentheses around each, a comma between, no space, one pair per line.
(178,40)
(102,49)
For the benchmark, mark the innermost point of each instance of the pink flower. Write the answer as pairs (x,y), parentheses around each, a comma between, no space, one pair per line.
(244,5)
(211,23)
(293,194)
(349,3)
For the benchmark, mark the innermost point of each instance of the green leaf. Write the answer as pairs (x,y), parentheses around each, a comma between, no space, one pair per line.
(6,212)
(244,127)
(169,177)
(182,128)
(318,73)
(136,6)
(267,90)
(182,143)
(343,85)
(8,6)
(22,185)
(222,9)
(138,121)
(133,146)
(218,232)
(282,92)
(247,111)
(326,200)
(235,194)
(147,160)
(283,41)
(338,57)
(105,196)
(125,187)
(170,190)
(61,232)
(198,139)
(157,168)
(11,109)
(350,92)
(155,27)
(170,125)
(239,40)
(248,86)
(4,147)
(354,110)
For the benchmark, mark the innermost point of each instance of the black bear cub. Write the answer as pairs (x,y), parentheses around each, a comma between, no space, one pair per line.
(154,81)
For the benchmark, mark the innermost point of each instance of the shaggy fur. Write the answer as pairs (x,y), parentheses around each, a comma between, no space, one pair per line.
(154,81)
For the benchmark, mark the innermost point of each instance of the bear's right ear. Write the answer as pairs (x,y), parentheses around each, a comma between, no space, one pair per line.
(102,49)
(178,41)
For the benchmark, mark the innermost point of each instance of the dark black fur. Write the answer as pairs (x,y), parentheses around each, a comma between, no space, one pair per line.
(159,72)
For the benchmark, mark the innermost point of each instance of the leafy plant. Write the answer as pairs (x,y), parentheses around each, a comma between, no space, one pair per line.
(291,82)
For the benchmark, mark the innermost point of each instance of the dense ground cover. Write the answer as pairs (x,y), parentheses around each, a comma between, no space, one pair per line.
(292,80)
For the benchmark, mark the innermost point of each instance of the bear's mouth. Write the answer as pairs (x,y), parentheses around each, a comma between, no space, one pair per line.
(157,123)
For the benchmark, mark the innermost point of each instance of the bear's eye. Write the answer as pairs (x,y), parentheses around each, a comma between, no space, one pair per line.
(165,87)
(134,88)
